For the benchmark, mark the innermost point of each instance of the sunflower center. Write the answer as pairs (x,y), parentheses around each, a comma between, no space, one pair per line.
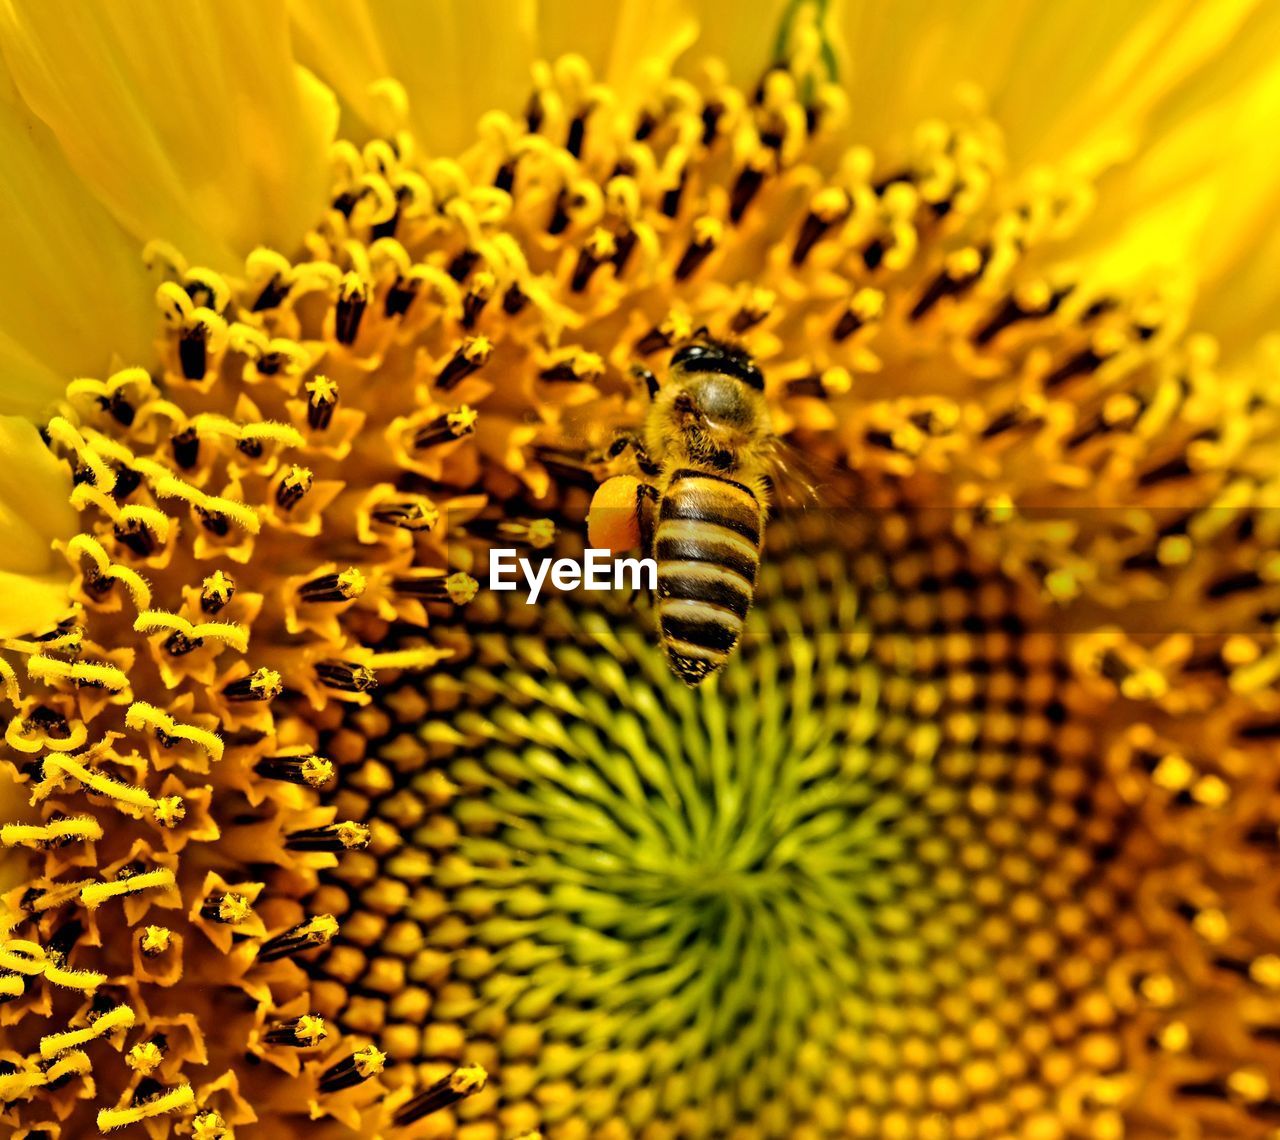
(853,886)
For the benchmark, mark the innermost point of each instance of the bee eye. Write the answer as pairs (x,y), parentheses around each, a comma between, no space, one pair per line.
(754,378)
(689,352)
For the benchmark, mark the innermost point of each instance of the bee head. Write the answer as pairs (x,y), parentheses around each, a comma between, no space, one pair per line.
(717,384)
(715,357)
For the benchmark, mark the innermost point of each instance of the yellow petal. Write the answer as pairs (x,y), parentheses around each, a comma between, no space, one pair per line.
(1200,199)
(628,43)
(458,59)
(73,294)
(191,122)
(455,60)
(1166,107)
(1070,84)
(34,511)
(746,42)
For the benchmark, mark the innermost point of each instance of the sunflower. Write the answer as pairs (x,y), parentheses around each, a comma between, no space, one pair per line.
(307,832)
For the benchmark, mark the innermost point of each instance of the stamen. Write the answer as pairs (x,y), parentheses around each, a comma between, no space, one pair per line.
(435,586)
(155,940)
(445,1093)
(446,428)
(216,591)
(707,234)
(346,676)
(229,908)
(301,1033)
(336,587)
(210,1125)
(293,486)
(262,684)
(322,399)
(353,299)
(317,931)
(354,1070)
(412,514)
(302,768)
(336,837)
(470,357)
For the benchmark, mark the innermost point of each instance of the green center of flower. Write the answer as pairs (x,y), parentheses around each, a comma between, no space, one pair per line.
(853,885)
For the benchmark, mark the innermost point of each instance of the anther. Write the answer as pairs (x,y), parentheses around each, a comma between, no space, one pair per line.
(462,265)
(214,522)
(962,269)
(229,908)
(670,205)
(537,533)
(1014,310)
(216,591)
(145,1057)
(346,676)
(400,296)
(866,306)
(178,644)
(707,233)
(155,940)
(356,1069)
(1087,360)
(443,429)
(747,185)
(295,483)
(333,837)
(435,586)
(600,247)
(445,1093)
(673,329)
(322,398)
(169,811)
(137,536)
(514,300)
(580,367)
(353,299)
(408,513)
(337,587)
(261,685)
(303,768)
(309,935)
(186,448)
(272,294)
(831,206)
(478,294)
(300,1033)
(127,481)
(193,350)
(121,410)
(210,1125)
(470,357)
(754,309)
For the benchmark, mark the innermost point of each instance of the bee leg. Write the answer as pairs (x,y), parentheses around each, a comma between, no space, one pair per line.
(640,372)
(624,440)
(647,517)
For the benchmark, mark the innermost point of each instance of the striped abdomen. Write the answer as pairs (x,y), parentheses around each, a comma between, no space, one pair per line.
(707,544)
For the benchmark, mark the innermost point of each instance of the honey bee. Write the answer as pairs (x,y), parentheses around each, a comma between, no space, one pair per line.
(705,456)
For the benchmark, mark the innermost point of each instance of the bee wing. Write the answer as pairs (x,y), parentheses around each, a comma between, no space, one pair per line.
(800,480)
